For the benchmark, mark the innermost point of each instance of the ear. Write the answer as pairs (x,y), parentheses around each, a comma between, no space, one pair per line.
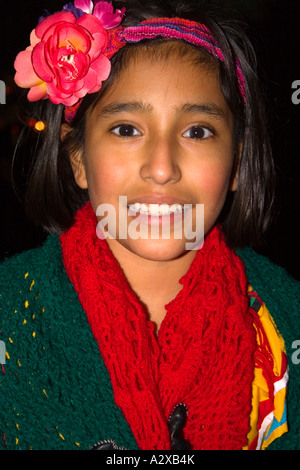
(233,184)
(76,160)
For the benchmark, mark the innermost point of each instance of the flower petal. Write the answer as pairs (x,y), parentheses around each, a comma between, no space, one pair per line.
(25,76)
(102,67)
(105,13)
(60,98)
(91,23)
(100,36)
(44,26)
(70,35)
(98,45)
(55,95)
(91,82)
(37,93)
(39,63)
(84,5)
(103,7)
(33,39)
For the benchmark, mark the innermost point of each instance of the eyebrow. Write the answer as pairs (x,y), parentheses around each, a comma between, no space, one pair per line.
(117,107)
(210,109)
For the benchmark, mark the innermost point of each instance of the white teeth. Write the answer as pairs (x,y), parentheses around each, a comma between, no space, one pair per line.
(164,209)
(156,209)
(143,207)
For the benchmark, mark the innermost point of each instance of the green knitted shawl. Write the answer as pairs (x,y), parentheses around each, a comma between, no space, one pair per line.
(55,392)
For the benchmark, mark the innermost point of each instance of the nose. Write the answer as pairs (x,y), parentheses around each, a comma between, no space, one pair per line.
(161,162)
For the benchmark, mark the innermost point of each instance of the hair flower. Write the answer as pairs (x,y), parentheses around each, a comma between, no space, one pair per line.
(65,59)
(103,11)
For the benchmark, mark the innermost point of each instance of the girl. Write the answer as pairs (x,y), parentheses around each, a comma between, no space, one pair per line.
(126,330)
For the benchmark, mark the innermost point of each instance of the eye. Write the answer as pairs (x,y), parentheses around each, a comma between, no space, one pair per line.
(125,130)
(198,132)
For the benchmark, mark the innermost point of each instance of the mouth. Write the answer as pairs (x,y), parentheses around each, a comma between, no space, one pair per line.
(157,210)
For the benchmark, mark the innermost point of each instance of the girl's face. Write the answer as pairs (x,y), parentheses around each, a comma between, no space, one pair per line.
(162,134)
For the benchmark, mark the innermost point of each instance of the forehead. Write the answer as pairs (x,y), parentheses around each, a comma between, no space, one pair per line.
(162,50)
(172,73)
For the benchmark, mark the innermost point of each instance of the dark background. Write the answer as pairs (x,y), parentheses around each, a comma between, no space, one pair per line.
(275,30)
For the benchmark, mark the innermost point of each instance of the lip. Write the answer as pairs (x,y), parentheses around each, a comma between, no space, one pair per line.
(157,220)
(157,199)
(170,219)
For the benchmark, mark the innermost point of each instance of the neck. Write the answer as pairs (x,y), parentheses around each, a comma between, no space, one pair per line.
(156,283)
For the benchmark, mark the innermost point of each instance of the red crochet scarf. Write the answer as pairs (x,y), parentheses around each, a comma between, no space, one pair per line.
(203,355)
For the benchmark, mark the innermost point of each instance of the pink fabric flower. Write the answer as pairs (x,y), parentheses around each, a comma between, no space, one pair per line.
(103,11)
(65,59)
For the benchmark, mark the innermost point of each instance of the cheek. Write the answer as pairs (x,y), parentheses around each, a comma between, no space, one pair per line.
(212,182)
(211,188)
(105,177)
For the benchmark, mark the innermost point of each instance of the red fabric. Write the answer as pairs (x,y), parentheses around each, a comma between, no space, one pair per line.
(203,355)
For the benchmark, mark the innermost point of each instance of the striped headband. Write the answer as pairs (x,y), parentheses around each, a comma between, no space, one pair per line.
(70,50)
(171,28)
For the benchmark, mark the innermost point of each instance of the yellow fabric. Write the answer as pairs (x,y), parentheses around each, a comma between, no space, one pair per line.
(272,421)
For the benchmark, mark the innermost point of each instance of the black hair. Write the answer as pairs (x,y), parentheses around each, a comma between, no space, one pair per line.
(52,195)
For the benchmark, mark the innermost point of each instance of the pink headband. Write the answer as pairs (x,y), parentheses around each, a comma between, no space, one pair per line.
(70,50)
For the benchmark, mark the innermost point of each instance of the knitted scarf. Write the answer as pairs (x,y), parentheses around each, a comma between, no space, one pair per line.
(203,355)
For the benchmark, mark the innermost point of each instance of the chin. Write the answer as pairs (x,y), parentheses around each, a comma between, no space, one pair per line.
(157,250)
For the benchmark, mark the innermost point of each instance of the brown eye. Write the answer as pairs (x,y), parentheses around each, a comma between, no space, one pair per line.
(125,130)
(198,132)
